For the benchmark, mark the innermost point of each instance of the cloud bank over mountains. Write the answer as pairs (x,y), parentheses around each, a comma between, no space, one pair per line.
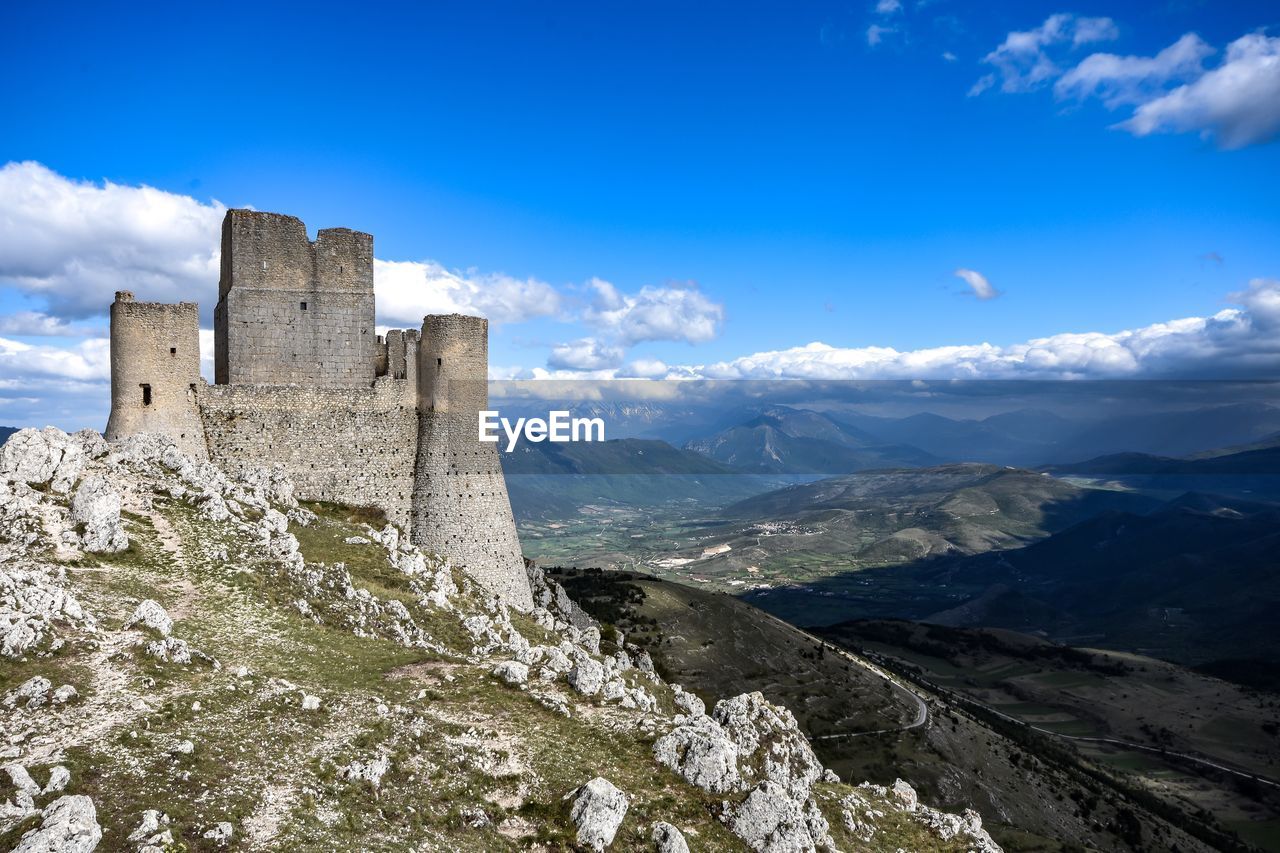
(69,245)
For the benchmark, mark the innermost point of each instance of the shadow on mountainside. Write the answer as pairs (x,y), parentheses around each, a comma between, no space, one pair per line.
(1196,582)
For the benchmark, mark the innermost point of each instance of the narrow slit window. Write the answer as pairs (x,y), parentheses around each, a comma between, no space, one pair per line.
(439,361)
(146,394)
(173,350)
(303,305)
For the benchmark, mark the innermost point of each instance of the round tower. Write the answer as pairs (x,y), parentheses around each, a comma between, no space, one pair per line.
(155,372)
(460,504)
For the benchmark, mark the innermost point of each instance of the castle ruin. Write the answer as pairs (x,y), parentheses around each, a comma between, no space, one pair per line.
(302,380)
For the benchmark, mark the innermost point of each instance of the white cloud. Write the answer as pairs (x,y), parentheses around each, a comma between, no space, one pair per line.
(408,290)
(675,313)
(949,56)
(978,283)
(1089,30)
(584,354)
(75,243)
(37,324)
(1022,62)
(1234,341)
(644,368)
(88,361)
(1132,79)
(1238,102)
(888,7)
(876,33)
(1262,302)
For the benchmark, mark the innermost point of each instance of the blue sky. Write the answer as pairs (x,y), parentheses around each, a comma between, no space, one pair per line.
(776,174)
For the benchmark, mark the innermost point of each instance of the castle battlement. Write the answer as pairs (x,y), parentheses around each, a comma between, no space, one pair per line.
(303,381)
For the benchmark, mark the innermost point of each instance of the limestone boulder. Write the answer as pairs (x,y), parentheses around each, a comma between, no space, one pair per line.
(30,694)
(768,736)
(597,812)
(668,839)
(587,675)
(701,752)
(512,672)
(769,820)
(96,505)
(31,456)
(149,614)
(69,825)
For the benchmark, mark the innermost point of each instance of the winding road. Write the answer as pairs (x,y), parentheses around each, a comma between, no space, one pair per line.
(922,706)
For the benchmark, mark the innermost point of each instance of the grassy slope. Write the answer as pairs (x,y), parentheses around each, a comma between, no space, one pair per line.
(474,764)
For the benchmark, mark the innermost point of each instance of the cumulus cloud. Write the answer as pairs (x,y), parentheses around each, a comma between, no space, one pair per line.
(644,368)
(978,284)
(584,354)
(1122,80)
(1022,62)
(408,290)
(1238,103)
(888,7)
(674,313)
(1262,302)
(88,361)
(75,243)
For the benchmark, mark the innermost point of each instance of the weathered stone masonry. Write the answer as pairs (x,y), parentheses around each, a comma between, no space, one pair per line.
(302,381)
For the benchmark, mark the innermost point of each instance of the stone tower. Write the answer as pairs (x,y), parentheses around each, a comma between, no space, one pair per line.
(291,311)
(460,504)
(155,372)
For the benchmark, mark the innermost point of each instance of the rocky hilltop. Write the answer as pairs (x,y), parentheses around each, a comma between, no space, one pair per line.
(194,662)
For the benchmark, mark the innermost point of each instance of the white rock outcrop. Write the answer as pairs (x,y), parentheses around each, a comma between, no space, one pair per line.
(69,825)
(96,505)
(149,614)
(668,839)
(30,694)
(701,752)
(597,811)
(587,675)
(512,672)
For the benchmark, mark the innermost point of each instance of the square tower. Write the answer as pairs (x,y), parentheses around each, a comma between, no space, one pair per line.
(291,311)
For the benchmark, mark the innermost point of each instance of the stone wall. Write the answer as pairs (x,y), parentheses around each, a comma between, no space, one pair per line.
(155,371)
(291,311)
(353,446)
